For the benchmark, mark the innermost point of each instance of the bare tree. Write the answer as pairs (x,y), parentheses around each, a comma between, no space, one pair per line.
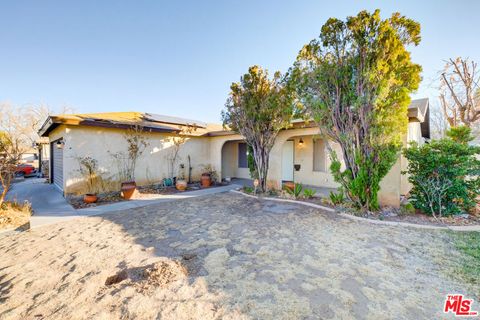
(460,92)
(13,143)
(438,122)
(136,142)
(27,120)
(177,142)
(19,127)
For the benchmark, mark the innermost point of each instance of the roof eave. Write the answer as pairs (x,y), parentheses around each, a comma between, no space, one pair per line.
(52,122)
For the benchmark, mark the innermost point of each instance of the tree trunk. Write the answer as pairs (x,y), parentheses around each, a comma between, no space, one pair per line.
(261,155)
(5,183)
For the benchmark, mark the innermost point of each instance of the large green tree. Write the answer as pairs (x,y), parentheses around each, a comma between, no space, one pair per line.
(258,108)
(355,81)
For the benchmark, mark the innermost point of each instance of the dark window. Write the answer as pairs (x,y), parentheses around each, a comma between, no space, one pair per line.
(242,155)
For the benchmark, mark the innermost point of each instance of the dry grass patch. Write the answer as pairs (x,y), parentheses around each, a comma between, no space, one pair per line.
(14,215)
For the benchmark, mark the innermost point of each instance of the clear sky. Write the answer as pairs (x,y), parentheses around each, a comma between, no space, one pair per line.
(179,57)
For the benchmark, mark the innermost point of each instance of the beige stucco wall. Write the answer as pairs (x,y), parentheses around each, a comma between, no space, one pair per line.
(392,186)
(395,184)
(216,146)
(152,166)
(304,157)
(414,134)
(230,162)
(221,152)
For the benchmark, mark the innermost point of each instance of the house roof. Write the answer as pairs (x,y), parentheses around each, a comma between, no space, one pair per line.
(419,111)
(149,121)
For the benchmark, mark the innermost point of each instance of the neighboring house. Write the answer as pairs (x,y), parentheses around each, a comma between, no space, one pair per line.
(43,146)
(299,153)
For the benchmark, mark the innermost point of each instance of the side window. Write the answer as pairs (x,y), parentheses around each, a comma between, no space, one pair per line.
(319,155)
(242,155)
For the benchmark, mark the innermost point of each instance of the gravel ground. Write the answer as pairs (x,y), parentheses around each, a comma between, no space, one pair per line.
(225,256)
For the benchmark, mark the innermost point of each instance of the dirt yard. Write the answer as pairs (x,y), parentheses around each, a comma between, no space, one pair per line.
(225,256)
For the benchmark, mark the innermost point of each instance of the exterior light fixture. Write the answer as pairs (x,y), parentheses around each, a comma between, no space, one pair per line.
(59,144)
(300,143)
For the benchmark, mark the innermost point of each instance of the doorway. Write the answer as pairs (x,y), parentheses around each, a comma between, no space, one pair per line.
(287,160)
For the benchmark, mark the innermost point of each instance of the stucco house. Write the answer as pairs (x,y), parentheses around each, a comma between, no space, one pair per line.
(299,153)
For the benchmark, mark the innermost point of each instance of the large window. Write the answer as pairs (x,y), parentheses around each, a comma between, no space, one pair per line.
(242,155)
(319,155)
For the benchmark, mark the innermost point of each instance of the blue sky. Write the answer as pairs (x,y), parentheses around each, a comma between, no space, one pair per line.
(179,57)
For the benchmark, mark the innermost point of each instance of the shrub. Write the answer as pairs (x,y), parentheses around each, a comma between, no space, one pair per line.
(444,174)
(296,191)
(248,189)
(309,193)
(337,198)
(407,208)
(14,214)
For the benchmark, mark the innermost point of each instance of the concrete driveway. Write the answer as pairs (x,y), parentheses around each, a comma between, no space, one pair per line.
(48,204)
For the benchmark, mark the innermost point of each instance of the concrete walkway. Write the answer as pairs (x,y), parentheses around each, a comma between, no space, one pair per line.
(49,206)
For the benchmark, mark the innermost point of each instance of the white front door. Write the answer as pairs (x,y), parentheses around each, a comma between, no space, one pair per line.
(287,161)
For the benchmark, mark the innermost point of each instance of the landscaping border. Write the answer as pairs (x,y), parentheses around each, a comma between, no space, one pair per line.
(388,223)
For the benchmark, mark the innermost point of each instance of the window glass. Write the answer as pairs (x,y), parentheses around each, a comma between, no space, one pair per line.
(242,155)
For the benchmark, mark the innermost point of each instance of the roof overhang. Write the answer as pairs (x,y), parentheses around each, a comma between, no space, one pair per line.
(53,122)
(419,111)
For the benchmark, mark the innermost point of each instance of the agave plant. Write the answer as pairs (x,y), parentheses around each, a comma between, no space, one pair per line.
(296,191)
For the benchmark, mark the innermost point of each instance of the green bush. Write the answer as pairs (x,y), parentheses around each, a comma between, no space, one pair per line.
(407,208)
(309,193)
(248,189)
(444,174)
(337,198)
(296,191)
(251,163)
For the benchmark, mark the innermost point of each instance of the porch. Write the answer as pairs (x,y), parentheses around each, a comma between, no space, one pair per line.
(299,155)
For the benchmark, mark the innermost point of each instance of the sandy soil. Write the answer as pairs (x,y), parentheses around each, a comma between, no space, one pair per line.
(15,215)
(224,256)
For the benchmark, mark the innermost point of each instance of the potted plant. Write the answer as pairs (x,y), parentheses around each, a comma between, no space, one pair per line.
(88,169)
(208,176)
(128,189)
(181,183)
(206,180)
(90,198)
(136,144)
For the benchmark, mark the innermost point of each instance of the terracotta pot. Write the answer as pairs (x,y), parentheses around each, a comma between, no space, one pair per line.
(90,198)
(289,185)
(128,189)
(181,185)
(206,180)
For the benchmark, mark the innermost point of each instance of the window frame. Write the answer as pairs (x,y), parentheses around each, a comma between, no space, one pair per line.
(240,163)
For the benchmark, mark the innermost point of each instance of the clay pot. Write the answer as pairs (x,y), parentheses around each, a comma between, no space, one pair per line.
(128,189)
(206,180)
(181,185)
(289,185)
(90,198)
